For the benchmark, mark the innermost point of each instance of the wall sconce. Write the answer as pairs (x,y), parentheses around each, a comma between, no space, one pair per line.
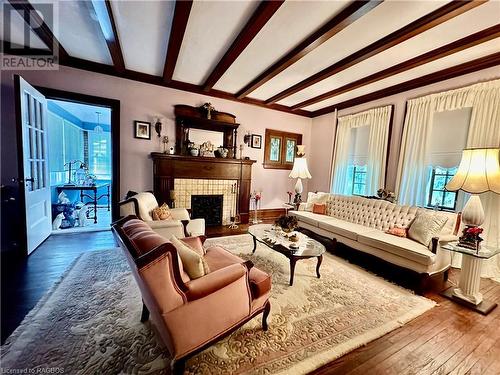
(247,139)
(158,126)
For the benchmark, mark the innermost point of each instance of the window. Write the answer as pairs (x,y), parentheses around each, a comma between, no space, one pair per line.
(280,149)
(438,196)
(359,180)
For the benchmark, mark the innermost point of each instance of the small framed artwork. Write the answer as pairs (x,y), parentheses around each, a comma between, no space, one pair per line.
(142,129)
(256,141)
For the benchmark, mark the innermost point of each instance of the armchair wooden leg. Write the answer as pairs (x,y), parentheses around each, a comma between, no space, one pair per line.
(177,366)
(267,309)
(145,313)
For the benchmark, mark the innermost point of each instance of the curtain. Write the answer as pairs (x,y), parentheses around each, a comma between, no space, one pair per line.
(378,119)
(484,131)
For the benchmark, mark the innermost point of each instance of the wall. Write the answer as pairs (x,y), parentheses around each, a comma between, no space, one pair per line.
(140,101)
(323,126)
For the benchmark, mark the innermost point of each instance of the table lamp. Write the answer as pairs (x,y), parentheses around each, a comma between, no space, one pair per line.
(299,171)
(478,172)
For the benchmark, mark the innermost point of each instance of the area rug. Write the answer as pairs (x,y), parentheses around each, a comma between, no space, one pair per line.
(89,322)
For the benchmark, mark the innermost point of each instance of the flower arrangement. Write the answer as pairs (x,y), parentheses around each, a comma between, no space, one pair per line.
(256,197)
(470,238)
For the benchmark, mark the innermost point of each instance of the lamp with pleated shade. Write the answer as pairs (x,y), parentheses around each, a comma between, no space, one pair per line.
(299,171)
(478,172)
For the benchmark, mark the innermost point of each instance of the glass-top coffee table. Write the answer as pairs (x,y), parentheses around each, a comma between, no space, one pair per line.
(275,239)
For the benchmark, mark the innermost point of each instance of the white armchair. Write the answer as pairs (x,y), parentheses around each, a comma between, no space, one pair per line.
(142,204)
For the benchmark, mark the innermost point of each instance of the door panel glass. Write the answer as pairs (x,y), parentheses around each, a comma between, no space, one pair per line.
(32,143)
(27,106)
(31,185)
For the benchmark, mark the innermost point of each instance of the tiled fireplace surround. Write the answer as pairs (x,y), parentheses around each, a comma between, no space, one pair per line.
(186,187)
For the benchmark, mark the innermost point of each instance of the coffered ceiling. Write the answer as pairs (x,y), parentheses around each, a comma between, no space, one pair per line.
(304,57)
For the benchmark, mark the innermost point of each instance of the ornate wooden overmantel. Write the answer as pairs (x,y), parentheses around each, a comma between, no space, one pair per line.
(196,117)
(166,168)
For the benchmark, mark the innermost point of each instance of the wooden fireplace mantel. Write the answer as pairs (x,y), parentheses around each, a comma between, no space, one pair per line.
(166,168)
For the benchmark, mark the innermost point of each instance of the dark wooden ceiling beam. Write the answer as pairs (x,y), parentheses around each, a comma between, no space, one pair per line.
(108,28)
(265,10)
(438,53)
(31,17)
(437,17)
(442,75)
(179,23)
(337,23)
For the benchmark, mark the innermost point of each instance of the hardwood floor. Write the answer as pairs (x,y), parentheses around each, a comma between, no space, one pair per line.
(25,281)
(449,339)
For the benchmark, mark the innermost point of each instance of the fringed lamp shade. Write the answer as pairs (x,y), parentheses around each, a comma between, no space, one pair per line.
(300,169)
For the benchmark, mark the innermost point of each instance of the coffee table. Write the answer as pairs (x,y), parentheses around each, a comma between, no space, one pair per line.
(307,247)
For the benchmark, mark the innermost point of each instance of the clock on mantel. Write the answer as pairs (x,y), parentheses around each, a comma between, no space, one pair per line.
(189,117)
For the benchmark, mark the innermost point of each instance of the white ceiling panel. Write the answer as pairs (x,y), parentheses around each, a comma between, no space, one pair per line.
(293,22)
(17,28)
(493,46)
(381,21)
(143,29)
(210,31)
(468,23)
(79,32)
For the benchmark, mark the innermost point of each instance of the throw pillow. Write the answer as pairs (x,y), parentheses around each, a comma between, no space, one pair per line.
(162,213)
(319,208)
(318,198)
(425,226)
(398,231)
(195,244)
(194,265)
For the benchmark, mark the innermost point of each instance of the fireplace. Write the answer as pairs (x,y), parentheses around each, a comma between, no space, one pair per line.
(208,207)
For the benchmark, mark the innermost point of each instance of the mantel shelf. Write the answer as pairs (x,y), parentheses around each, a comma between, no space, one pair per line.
(201,159)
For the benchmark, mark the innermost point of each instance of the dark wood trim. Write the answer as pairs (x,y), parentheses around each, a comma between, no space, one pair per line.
(438,53)
(115,133)
(112,41)
(257,21)
(337,23)
(267,163)
(441,75)
(94,67)
(23,239)
(437,17)
(269,214)
(31,17)
(389,138)
(179,23)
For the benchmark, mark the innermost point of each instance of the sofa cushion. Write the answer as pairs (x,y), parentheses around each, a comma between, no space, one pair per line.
(315,198)
(319,208)
(308,217)
(403,247)
(344,228)
(192,262)
(425,226)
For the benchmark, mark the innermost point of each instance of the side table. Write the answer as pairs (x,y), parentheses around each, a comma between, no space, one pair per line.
(467,293)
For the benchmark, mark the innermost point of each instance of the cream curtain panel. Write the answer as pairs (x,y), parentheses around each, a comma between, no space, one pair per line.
(484,131)
(378,120)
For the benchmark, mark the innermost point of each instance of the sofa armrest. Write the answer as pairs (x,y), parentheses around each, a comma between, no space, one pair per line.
(441,240)
(195,227)
(163,223)
(167,228)
(179,214)
(128,207)
(203,286)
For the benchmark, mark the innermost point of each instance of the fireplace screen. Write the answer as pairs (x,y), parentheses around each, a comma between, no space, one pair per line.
(208,207)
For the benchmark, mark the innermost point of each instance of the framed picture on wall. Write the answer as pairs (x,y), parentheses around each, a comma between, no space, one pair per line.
(256,141)
(142,129)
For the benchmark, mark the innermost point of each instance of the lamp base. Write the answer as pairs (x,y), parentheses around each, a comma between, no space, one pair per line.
(298,191)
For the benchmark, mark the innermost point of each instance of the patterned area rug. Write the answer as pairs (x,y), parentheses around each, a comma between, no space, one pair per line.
(89,322)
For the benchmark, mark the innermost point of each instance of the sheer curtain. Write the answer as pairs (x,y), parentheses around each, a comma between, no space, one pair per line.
(378,119)
(484,131)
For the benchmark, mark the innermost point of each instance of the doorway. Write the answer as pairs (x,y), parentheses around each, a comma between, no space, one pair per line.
(80,166)
(68,148)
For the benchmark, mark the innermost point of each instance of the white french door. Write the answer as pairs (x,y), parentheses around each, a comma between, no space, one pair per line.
(35,177)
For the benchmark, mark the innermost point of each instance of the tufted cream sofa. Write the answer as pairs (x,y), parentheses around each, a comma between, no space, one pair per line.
(360,223)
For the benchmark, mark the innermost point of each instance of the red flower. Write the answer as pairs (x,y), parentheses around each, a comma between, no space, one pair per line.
(475,231)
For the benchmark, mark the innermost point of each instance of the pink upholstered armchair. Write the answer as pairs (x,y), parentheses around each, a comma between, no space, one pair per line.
(191,315)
